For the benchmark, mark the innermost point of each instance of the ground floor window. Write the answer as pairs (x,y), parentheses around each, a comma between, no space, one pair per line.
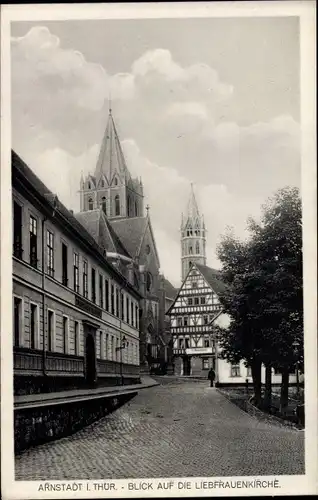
(235,370)
(205,364)
(248,371)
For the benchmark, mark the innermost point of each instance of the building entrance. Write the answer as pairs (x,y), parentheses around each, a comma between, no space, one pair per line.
(186,366)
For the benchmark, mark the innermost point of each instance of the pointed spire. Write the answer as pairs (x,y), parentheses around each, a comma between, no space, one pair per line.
(193,210)
(111,157)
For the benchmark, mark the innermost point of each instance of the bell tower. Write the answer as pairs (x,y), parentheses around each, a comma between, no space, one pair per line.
(193,237)
(111,187)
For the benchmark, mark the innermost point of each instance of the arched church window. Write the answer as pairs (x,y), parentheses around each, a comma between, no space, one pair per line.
(190,249)
(190,265)
(90,204)
(104,205)
(197,248)
(136,209)
(148,282)
(89,185)
(117,205)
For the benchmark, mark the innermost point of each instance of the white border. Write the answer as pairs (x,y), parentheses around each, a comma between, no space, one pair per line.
(306,484)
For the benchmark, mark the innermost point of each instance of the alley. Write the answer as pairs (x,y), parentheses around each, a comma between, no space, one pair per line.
(175,429)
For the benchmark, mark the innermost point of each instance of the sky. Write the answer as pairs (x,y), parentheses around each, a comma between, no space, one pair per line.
(213,102)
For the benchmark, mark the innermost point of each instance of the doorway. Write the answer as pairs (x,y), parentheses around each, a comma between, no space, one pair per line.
(90,359)
(186,366)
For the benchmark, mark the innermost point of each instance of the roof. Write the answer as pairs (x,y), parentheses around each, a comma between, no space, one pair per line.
(171,291)
(193,210)
(111,157)
(213,277)
(131,232)
(50,201)
(99,227)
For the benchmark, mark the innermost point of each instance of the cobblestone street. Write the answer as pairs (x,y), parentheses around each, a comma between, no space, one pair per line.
(174,429)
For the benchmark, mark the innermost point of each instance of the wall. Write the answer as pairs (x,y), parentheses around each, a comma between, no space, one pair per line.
(42,424)
(225,377)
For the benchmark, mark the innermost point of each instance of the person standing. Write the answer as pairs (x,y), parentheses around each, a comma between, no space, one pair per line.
(211,377)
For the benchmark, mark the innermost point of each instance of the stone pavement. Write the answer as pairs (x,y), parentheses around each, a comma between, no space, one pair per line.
(175,429)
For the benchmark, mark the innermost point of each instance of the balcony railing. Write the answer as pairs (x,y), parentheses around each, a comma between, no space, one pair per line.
(105,366)
(31,360)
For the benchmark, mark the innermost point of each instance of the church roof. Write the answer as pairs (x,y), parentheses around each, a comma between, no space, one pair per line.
(213,277)
(171,291)
(131,232)
(101,230)
(111,157)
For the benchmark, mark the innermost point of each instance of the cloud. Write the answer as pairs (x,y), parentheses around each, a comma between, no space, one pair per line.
(173,123)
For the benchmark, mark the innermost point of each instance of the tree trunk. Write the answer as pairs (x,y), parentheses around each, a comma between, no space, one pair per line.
(284,391)
(256,367)
(268,388)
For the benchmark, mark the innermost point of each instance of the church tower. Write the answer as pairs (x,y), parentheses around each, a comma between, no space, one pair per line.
(193,237)
(111,187)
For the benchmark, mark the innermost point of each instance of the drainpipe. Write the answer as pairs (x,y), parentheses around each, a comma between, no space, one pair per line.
(43,298)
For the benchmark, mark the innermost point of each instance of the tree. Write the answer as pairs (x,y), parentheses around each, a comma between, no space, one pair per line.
(264,291)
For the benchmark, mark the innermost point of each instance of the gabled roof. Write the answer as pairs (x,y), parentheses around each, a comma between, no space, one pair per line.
(213,277)
(131,232)
(96,223)
(171,291)
(111,157)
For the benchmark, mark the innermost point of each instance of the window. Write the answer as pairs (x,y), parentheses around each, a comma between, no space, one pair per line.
(136,316)
(202,300)
(194,284)
(235,370)
(17,318)
(131,313)
(196,301)
(122,305)
(181,344)
(101,345)
(89,185)
(104,204)
(185,321)
(93,283)
(106,346)
(76,338)
(85,279)
(128,206)
(127,309)
(190,301)
(248,371)
(65,334)
(90,203)
(147,249)
(50,330)
(190,264)
(102,184)
(148,282)
(197,248)
(117,203)
(116,181)
(50,253)
(205,364)
(206,343)
(33,326)
(117,302)
(179,321)
(111,347)
(107,295)
(17,230)
(33,242)
(187,343)
(205,319)
(76,271)
(190,250)
(112,299)
(64,265)
(136,209)
(101,291)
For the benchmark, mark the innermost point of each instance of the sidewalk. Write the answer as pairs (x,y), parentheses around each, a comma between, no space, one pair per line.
(76,395)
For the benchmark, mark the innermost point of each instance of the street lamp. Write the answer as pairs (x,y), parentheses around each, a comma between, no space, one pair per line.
(296,351)
(123,344)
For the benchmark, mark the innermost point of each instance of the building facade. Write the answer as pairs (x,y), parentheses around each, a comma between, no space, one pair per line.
(76,317)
